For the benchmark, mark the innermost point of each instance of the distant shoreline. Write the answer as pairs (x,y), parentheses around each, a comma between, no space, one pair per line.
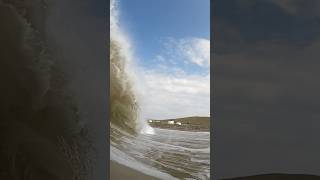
(182,128)
(194,124)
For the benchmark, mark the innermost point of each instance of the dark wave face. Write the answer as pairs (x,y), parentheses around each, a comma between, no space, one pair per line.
(40,134)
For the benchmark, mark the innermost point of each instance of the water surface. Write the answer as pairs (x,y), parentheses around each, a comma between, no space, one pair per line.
(167,154)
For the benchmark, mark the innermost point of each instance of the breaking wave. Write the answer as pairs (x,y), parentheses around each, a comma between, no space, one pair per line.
(124,112)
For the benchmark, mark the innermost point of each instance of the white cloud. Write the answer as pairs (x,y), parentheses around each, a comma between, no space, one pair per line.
(190,50)
(160,58)
(166,90)
(165,96)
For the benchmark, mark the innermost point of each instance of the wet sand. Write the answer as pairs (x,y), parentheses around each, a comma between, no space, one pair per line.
(118,171)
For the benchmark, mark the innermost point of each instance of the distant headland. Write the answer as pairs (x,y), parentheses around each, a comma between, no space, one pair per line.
(194,123)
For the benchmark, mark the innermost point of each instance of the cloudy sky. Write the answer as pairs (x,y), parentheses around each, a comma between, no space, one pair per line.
(171,45)
(266,66)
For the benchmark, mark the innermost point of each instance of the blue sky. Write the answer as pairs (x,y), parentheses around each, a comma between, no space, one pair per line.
(150,23)
(170,41)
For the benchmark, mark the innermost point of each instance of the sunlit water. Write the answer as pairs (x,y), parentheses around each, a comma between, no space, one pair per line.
(166,154)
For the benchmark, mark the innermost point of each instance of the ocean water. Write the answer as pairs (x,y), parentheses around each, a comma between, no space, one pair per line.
(166,154)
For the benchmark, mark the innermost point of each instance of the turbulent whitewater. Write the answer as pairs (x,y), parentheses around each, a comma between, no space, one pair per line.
(166,154)
(123,111)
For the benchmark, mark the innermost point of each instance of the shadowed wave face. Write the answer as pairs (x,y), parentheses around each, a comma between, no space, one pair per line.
(40,134)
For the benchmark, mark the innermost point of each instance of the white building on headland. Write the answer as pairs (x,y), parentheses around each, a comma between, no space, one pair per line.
(170,122)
